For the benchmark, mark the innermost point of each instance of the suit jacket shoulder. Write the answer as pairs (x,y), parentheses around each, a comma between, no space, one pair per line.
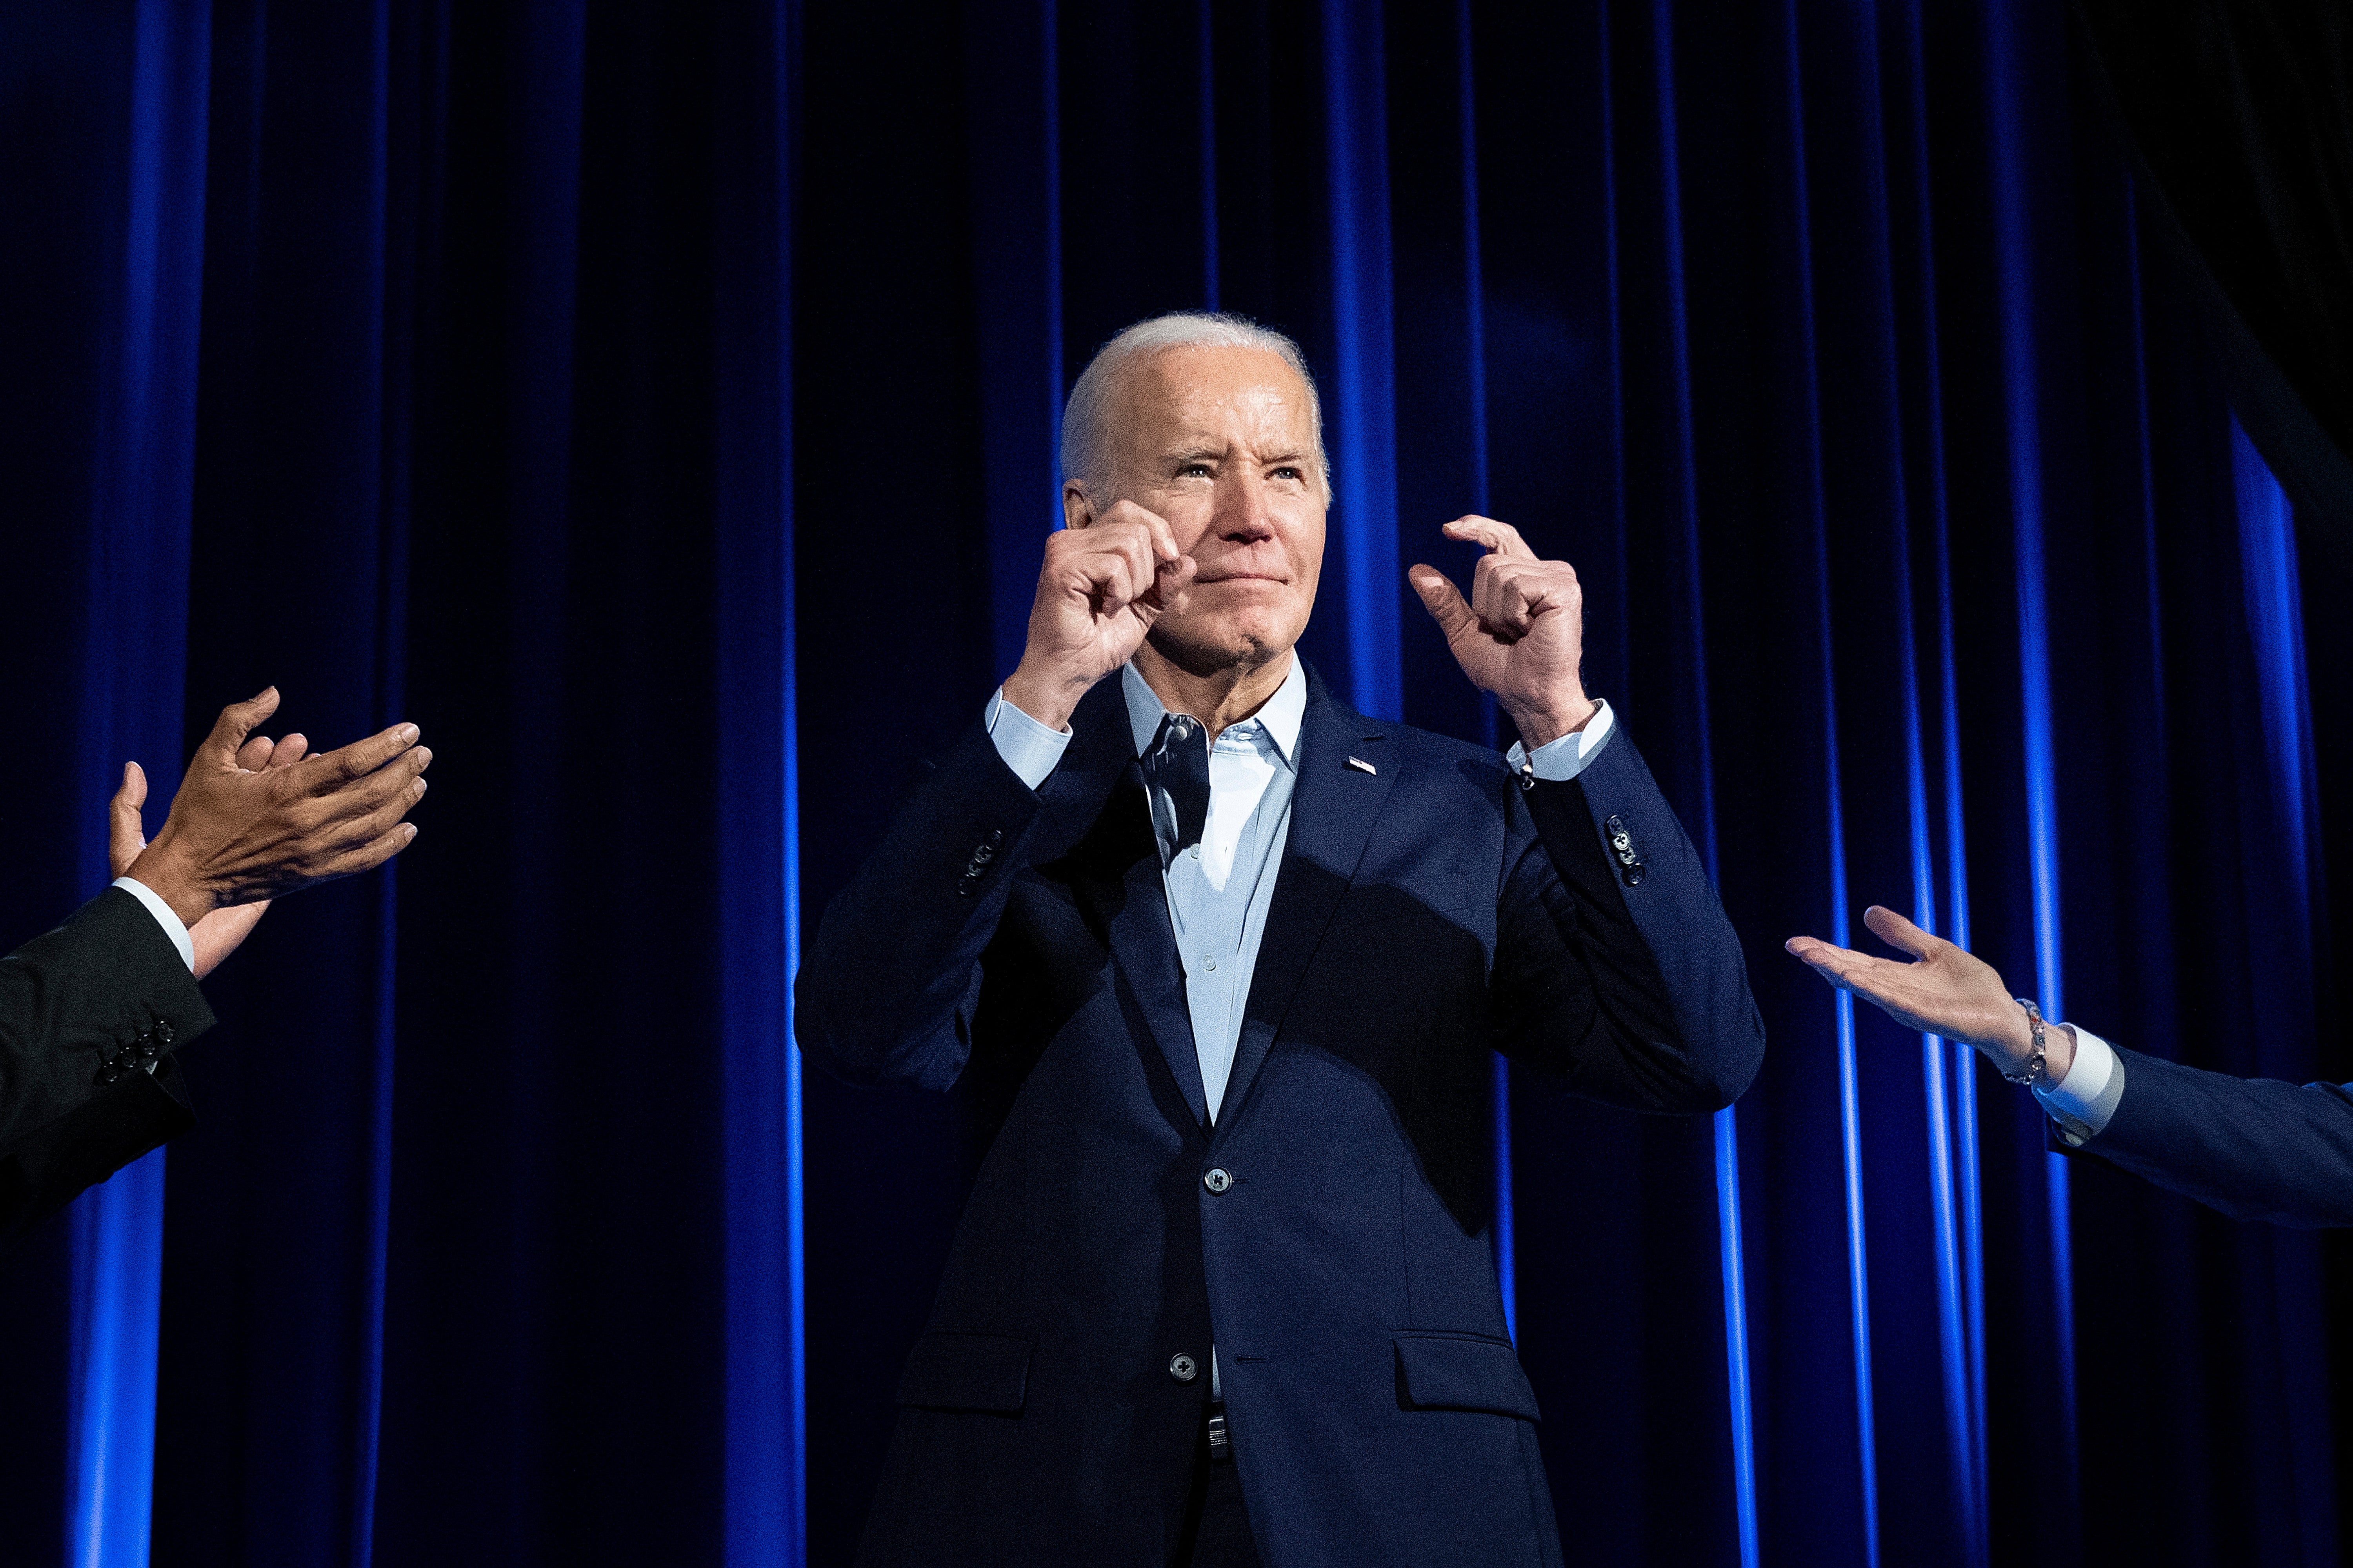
(69,1000)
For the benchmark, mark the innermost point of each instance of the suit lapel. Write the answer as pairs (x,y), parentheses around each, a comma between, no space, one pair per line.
(1333,808)
(1117,880)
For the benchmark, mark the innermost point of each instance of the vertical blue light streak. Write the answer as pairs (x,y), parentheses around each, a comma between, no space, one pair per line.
(1960,1252)
(1051,43)
(765,1490)
(1475,355)
(2154,585)
(1850,1099)
(2011,249)
(1357,154)
(1962,1059)
(391,648)
(1952,1316)
(1474,275)
(117,1248)
(2275,623)
(1210,241)
(795,1190)
(1952,1312)
(132,686)
(1731,1254)
(787,692)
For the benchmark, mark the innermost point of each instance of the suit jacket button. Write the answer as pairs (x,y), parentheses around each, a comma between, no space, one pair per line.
(1217,1180)
(1182,1367)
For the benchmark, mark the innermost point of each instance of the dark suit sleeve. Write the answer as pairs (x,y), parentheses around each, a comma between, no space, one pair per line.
(1615,965)
(2256,1149)
(69,1001)
(887,989)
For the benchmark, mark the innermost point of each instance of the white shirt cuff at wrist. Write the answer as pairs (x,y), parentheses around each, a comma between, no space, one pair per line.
(1028,747)
(163,918)
(2082,1101)
(1557,761)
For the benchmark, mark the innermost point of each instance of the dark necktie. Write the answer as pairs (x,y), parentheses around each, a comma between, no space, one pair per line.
(1177,771)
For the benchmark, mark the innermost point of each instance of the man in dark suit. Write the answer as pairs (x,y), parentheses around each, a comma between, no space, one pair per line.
(1228,960)
(91,1013)
(2254,1148)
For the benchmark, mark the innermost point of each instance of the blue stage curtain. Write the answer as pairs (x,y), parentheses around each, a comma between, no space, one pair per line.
(659,403)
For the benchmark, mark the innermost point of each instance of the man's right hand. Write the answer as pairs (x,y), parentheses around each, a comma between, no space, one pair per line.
(1944,989)
(236,835)
(1101,587)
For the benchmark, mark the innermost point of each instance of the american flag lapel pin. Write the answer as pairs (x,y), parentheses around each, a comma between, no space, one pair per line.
(1361,766)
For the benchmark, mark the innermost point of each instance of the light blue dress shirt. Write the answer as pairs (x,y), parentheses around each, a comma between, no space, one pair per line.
(1219,890)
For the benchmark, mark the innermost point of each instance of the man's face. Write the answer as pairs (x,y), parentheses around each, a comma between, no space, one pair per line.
(1221,442)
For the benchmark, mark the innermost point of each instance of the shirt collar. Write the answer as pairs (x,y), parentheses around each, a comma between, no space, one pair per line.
(1281,717)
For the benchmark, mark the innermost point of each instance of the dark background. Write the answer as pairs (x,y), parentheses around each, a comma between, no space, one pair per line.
(657,403)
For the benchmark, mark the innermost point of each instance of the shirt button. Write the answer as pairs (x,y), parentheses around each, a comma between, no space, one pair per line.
(1217,1179)
(1208,960)
(1194,852)
(1182,1367)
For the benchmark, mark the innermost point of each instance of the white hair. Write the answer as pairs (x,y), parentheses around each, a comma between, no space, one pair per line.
(1087,417)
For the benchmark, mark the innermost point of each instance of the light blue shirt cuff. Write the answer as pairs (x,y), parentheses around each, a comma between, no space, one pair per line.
(2083,1102)
(1557,761)
(163,918)
(1028,747)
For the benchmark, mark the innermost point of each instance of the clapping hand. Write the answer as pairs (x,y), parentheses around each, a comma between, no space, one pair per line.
(256,818)
(217,934)
(1522,634)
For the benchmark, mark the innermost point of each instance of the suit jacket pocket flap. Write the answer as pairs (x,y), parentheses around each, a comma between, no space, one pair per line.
(968,1371)
(1462,1372)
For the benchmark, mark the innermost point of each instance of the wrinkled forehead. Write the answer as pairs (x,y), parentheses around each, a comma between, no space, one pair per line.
(1197,392)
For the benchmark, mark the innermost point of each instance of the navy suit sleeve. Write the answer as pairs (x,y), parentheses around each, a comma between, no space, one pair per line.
(1624,979)
(68,1000)
(2256,1149)
(887,989)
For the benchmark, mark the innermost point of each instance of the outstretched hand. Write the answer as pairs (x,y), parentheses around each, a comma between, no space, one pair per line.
(1942,991)
(1522,633)
(251,823)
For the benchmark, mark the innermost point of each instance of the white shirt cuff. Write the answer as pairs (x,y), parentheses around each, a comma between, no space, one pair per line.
(1028,747)
(163,918)
(1557,761)
(2082,1101)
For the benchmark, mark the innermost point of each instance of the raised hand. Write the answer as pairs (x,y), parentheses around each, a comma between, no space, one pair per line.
(1521,636)
(218,933)
(240,834)
(1102,585)
(1942,991)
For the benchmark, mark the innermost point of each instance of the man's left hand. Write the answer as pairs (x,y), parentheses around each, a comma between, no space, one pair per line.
(1521,636)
